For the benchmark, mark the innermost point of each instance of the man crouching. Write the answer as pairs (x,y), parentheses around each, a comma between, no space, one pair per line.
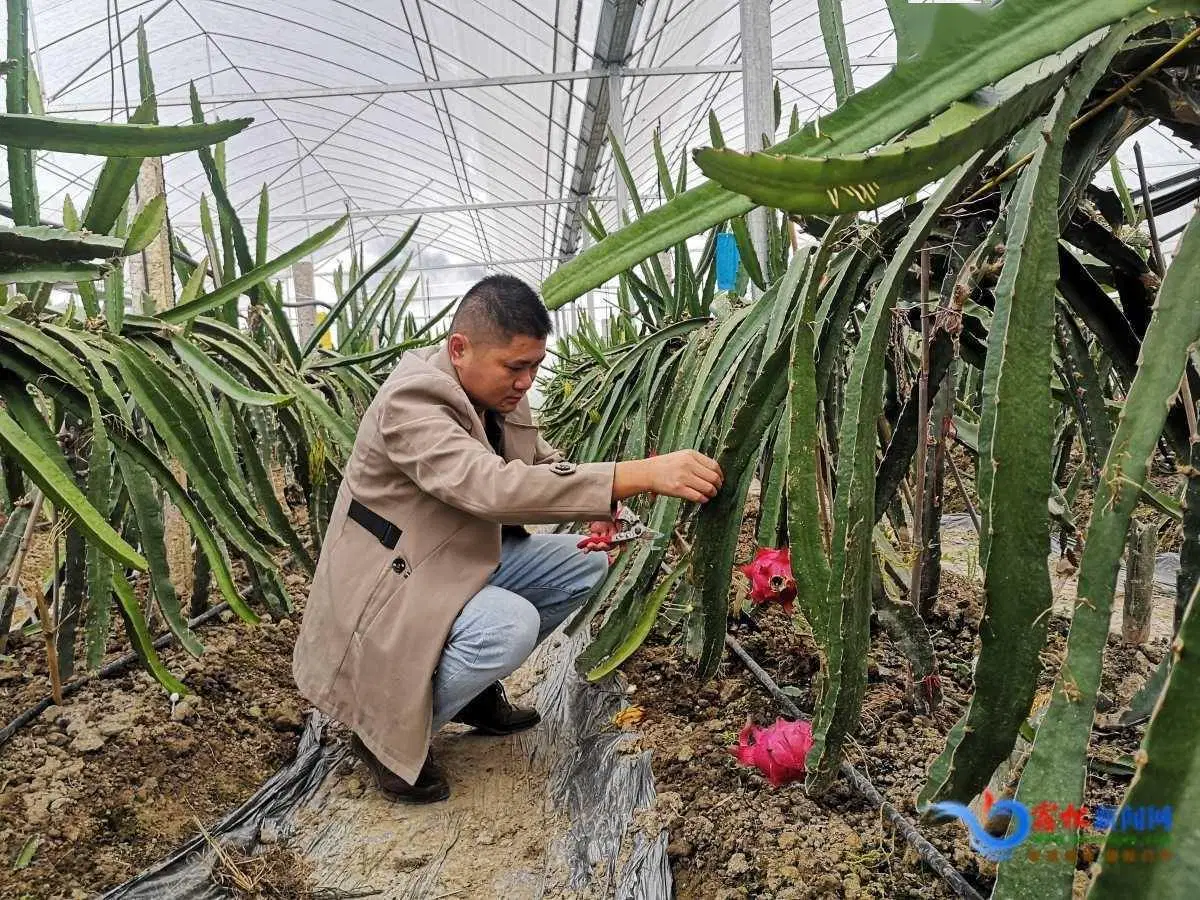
(428,591)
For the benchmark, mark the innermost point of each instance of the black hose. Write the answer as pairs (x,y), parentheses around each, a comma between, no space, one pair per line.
(113,668)
(928,853)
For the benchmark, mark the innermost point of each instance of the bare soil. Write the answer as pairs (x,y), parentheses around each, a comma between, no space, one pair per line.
(736,836)
(115,779)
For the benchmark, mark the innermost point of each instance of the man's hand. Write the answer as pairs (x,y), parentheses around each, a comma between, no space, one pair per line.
(686,474)
(599,536)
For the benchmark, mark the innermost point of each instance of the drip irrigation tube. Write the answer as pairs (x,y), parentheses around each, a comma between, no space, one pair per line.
(117,665)
(925,850)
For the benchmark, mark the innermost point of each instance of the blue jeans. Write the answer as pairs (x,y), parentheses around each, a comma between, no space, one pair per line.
(542,579)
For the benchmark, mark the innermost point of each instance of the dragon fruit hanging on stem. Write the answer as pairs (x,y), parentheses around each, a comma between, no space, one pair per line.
(771,580)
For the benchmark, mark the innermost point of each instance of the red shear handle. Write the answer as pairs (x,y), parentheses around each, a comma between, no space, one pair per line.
(600,536)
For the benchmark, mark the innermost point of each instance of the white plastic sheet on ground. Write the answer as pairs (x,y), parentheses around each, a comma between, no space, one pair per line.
(547,813)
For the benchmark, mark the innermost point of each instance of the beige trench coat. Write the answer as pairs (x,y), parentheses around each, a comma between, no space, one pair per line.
(377,619)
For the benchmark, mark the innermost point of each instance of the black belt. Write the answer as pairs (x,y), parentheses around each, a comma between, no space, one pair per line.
(387,533)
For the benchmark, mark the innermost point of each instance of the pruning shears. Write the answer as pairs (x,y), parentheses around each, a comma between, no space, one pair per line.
(629,528)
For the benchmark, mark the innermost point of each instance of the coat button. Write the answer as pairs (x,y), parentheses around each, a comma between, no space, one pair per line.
(399,565)
(562,467)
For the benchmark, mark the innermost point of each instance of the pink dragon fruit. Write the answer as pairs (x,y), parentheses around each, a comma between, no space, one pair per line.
(777,751)
(770,574)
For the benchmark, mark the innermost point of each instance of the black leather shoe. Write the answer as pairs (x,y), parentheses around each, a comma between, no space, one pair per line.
(431,784)
(491,713)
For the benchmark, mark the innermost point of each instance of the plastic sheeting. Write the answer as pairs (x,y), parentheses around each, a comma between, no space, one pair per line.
(341,121)
(331,130)
(185,873)
(593,781)
(596,783)
(1166,565)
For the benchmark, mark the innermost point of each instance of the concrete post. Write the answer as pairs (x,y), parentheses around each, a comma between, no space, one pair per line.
(153,282)
(304,289)
(151,276)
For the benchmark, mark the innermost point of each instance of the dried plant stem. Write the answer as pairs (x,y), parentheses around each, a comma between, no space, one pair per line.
(35,512)
(962,489)
(49,632)
(14,580)
(918,505)
(1115,97)
(56,528)
(679,536)
(14,572)
(1131,85)
(1189,409)
(238,877)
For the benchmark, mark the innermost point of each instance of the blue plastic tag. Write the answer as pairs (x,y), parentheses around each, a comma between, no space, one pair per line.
(728,260)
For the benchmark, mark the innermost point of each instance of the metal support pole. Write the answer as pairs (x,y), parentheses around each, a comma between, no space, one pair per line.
(1156,254)
(424,291)
(590,296)
(375,89)
(757,105)
(616,125)
(413,211)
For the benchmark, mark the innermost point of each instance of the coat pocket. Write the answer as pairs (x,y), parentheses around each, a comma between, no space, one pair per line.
(392,573)
(390,582)
(393,577)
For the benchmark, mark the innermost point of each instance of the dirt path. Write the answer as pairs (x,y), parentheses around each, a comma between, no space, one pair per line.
(505,831)
(565,810)
(488,840)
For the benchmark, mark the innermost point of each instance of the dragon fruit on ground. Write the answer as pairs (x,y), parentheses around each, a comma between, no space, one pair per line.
(777,751)
(770,574)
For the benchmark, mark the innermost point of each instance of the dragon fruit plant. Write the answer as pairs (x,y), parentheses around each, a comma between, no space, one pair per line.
(771,580)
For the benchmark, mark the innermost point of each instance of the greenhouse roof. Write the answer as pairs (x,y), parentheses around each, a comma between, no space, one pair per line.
(488,120)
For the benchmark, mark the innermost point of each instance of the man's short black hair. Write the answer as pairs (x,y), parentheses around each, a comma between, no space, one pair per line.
(500,307)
